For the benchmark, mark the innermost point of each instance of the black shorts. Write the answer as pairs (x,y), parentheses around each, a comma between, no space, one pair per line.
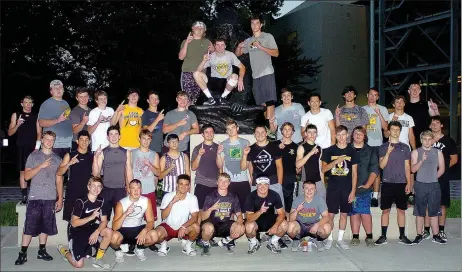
(305,230)
(111,196)
(427,198)
(130,234)
(67,208)
(445,191)
(22,153)
(264,89)
(78,241)
(264,223)
(393,192)
(288,192)
(201,192)
(222,229)
(241,189)
(215,84)
(337,199)
(40,218)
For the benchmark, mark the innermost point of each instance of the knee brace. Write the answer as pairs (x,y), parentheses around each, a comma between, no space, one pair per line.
(232,82)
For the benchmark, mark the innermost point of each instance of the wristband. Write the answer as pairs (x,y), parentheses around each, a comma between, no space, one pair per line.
(37,144)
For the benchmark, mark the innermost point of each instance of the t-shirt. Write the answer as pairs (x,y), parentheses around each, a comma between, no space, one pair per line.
(207,172)
(394,171)
(289,156)
(312,171)
(222,65)
(368,163)
(407,122)
(341,173)
(99,136)
(353,117)
(374,127)
(232,154)
(146,120)
(273,201)
(131,127)
(311,212)
(43,184)
(293,115)
(142,171)
(448,146)
(419,113)
(51,109)
(181,210)
(174,116)
(259,59)
(263,159)
(321,121)
(84,208)
(228,206)
(77,116)
(194,54)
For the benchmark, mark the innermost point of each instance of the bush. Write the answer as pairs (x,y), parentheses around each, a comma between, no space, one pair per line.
(454,210)
(8,216)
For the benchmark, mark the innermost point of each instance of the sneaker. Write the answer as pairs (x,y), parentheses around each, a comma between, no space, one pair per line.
(139,252)
(354,242)
(286,239)
(210,102)
(63,252)
(282,244)
(154,248)
(43,255)
(232,243)
(262,237)
(23,200)
(319,245)
(22,258)
(100,264)
(443,235)
(405,241)
(418,239)
(119,256)
(229,249)
(437,239)
(124,248)
(131,250)
(374,202)
(295,245)
(426,235)
(213,243)
(205,250)
(188,250)
(163,250)
(199,243)
(342,244)
(253,248)
(223,101)
(327,244)
(274,247)
(370,242)
(381,241)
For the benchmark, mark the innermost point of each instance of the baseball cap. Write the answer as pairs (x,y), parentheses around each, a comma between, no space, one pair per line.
(199,24)
(262,180)
(56,82)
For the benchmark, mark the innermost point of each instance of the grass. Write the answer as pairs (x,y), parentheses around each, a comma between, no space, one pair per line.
(8,216)
(454,210)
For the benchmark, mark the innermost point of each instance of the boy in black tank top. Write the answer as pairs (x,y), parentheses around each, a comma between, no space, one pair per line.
(28,133)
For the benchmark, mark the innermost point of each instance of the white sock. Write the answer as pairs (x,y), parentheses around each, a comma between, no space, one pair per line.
(207,93)
(225,93)
(275,239)
(340,235)
(375,194)
(163,244)
(253,240)
(330,236)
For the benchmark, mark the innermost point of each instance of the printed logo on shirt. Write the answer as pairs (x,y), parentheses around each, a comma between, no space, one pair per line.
(89,211)
(439,146)
(222,67)
(136,211)
(224,210)
(372,122)
(307,212)
(141,169)
(404,123)
(340,169)
(132,119)
(291,151)
(263,160)
(349,116)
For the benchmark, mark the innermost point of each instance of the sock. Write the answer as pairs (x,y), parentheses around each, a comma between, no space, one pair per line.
(253,240)
(228,239)
(356,236)
(275,239)
(100,253)
(42,247)
(340,235)
(24,249)
(368,235)
(427,229)
(24,191)
(225,93)
(441,228)
(384,231)
(163,244)
(401,232)
(206,243)
(375,194)
(207,93)
(330,237)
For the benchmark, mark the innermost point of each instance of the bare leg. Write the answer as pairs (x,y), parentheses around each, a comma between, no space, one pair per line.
(355,223)
(366,219)
(419,224)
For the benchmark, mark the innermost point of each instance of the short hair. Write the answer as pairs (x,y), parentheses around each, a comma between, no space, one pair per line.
(287,124)
(375,89)
(259,126)
(308,182)
(27,97)
(206,126)
(172,136)
(100,93)
(95,179)
(146,132)
(49,133)
(219,39)
(224,175)
(363,130)
(349,88)
(230,122)
(181,93)
(81,90)
(340,128)
(83,133)
(152,92)
(112,128)
(133,90)
(257,17)
(314,95)
(285,90)
(395,124)
(134,181)
(397,97)
(426,132)
(183,177)
(436,118)
(311,126)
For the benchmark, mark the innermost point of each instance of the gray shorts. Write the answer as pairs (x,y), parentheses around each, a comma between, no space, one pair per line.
(264,89)
(427,196)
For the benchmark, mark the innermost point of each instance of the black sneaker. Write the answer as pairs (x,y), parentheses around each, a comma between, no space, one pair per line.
(405,241)
(154,248)
(210,102)
(282,244)
(43,255)
(232,243)
(23,200)
(426,235)
(22,258)
(223,101)
(418,239)
(437,239)
(213,243)
(131,250)
(381,241)
(205,250)
(374,202)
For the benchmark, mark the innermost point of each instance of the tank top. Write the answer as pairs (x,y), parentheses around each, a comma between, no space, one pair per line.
(142,171)
(312,164)
(114,162)
(79,174)
(26,135)
(169,184)
(131,127)
(135,219)
(428,171)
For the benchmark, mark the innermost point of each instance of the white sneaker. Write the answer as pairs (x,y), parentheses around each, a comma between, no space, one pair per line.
(342,244)
(124,247)
(327,244)
(119,256)
(140,254)
(163,250)
(100,264)
(188,250)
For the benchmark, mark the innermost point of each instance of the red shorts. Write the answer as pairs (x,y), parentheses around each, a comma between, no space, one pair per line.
(171,233)
(152,197)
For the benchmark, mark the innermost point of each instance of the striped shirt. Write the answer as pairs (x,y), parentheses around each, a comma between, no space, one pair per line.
(169,184)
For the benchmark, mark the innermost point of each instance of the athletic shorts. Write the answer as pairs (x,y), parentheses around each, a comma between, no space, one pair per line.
(111,196)
(171,233)
(264,89)
(78,241)
(222,229)
(393,192)
(201,192)
(288,193)
(22,153)
(361,204)
(68,206)
(217,85)
(305,230)
(130,233)
(40,218)
(189,85)
(445,188)
(264,223)
(427,196)
(241,189)
(337,199)
(152,197)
